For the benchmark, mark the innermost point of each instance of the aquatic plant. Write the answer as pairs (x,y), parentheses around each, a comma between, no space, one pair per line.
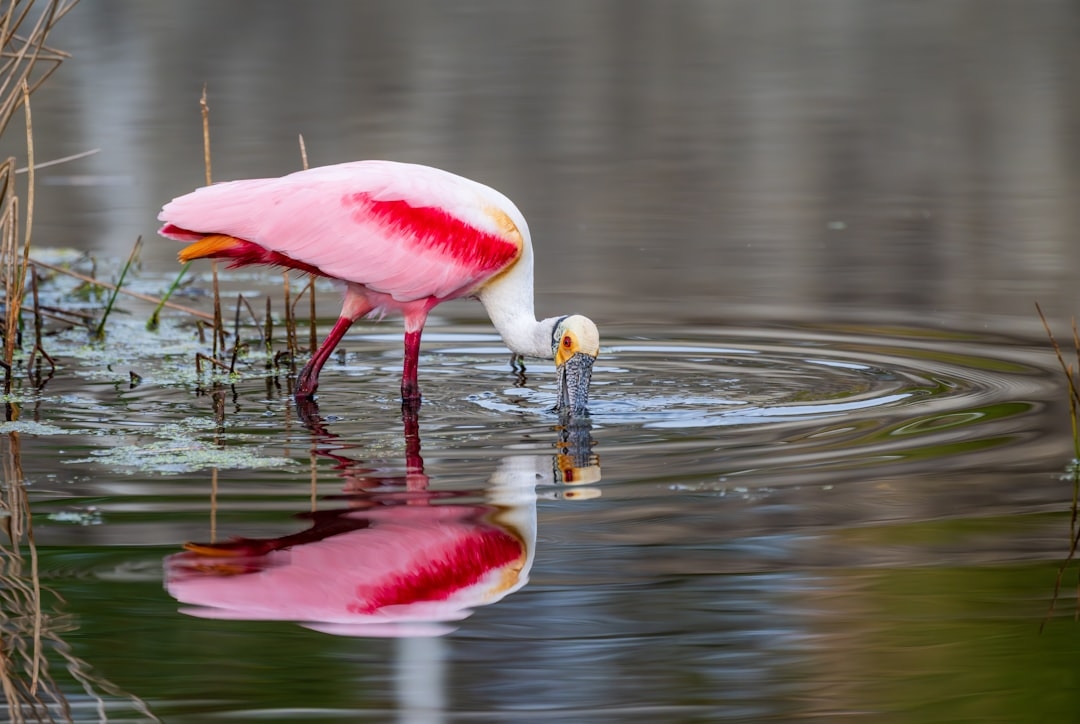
(1071,373)
(100,331)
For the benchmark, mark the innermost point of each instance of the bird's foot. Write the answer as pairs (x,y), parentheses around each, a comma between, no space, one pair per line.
(306,384)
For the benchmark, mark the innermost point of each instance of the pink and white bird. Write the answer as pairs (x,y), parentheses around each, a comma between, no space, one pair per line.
(403,238)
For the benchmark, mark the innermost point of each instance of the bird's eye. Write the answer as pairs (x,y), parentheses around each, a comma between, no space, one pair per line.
(567,342)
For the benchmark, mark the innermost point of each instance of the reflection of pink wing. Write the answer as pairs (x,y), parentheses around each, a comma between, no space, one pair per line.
(411,564)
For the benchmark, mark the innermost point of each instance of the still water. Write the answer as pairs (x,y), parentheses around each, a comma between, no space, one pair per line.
(823,472)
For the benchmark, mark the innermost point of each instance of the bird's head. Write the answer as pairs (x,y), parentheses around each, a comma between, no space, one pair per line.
(575,343)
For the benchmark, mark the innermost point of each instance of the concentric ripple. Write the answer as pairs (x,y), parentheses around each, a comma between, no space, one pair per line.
(820,397)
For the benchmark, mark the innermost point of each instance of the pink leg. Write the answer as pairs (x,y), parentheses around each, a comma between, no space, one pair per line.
(308,381)
(410,384)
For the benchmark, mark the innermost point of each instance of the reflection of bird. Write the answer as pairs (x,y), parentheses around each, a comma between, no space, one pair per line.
(398,567)
(403,238)
(400,556)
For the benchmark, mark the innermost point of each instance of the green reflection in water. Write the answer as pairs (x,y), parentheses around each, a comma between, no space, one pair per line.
(919,642)
(963,644)
(130,631)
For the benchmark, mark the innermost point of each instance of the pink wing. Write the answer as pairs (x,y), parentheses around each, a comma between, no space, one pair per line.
(405,230)
(418,562)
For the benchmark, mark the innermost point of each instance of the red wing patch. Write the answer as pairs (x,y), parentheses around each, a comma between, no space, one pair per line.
(433,229)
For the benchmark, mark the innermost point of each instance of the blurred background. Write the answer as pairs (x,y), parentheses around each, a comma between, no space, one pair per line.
(695,160)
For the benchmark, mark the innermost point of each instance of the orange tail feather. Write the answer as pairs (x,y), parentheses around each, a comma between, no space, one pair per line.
(240,252)
(214,245)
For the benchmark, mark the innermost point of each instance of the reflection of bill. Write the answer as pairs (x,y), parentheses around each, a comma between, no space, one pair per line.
(390,565)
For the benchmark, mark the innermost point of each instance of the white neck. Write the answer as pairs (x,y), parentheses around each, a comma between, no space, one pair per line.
(509,302)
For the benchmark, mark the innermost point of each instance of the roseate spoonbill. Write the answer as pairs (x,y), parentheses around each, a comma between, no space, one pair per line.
(403,238)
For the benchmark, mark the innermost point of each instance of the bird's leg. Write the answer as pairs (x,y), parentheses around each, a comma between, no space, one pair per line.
(308,380)
(410,384)
(414,327)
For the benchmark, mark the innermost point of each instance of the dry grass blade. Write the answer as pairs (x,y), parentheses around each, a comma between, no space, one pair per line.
(13,269)
(11,310)
(29,172)
(219,324)
(308,288)
(1061,359)
(25,63)
(200,358)
(290,323)
(136,295)
(204,108)
(62,159)
(254,320)
(313,336)
(240,300)
(23,54)
(268,335)
(38,348)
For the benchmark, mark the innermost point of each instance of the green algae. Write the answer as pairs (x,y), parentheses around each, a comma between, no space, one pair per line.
(181,449)
(181,456)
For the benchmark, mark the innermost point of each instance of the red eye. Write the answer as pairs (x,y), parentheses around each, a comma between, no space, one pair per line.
(567,342)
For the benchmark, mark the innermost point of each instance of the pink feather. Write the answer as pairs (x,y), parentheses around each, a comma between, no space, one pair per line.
(406,231)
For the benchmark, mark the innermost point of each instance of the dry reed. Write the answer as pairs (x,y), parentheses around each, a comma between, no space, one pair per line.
(25,63)
(31,630)
(313,337)
(1070,371)
(135,295)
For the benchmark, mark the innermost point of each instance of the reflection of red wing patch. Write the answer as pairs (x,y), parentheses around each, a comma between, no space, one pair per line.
(430,228)
(440,576)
